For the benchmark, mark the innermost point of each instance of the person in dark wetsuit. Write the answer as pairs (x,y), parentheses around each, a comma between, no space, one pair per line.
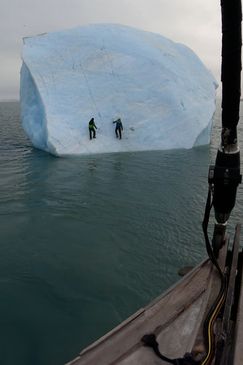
(92,127)
(119,128)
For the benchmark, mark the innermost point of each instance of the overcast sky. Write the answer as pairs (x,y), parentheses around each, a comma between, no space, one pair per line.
(195,23)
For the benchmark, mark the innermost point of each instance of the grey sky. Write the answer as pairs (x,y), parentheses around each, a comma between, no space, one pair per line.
(196,23)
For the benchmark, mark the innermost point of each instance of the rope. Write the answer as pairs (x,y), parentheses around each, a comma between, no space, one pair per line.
(90,92)
(113,74)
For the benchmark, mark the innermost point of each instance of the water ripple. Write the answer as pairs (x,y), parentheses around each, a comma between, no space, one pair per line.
(91,239)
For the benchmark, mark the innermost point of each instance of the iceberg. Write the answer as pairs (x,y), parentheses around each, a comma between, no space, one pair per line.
(160,89)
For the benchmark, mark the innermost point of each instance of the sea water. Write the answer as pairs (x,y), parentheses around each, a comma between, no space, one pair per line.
(86,241)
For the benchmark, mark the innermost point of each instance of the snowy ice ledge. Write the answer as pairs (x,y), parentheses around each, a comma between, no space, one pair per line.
(161,90)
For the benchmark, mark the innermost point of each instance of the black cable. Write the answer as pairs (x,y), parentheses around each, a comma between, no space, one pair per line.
(150,341)
(205,231)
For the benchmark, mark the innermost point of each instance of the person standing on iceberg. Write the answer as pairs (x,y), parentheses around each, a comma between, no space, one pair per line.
(92,127)
(119,128)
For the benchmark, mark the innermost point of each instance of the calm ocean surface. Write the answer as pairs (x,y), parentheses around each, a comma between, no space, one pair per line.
(86,241)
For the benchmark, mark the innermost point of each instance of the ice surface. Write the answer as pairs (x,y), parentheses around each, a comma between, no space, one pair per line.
(162,92)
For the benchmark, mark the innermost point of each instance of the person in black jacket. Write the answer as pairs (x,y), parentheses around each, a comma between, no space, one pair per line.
(119,128)
(92,128)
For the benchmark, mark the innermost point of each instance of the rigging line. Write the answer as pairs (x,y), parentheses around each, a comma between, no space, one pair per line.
(208,208)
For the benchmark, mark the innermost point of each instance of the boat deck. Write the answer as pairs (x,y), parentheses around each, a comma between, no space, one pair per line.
(176,318)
